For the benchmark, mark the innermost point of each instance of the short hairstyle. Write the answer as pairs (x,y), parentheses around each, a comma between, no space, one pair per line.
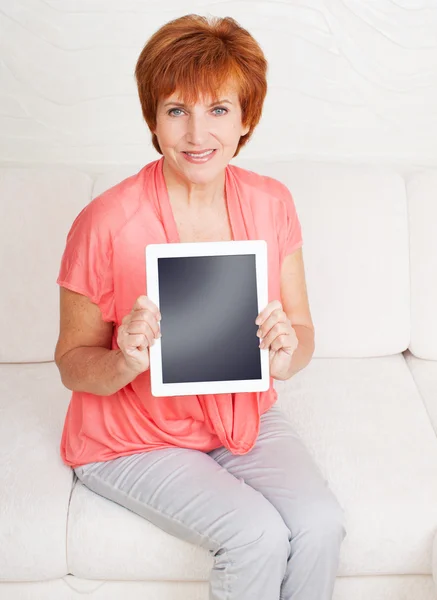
(196,56)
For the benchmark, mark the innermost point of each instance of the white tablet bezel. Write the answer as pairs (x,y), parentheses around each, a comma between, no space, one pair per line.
(155,251)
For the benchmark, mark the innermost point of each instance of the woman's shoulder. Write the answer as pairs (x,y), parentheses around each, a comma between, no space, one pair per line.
(119,194)
(115,205)
(262,185)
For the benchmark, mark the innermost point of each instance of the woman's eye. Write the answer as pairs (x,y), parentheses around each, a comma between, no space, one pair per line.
(221,108)
(171,111)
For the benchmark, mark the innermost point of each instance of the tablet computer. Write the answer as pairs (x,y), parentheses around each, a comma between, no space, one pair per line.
(209,295)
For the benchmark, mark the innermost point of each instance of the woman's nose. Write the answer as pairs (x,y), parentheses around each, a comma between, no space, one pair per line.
(197,130)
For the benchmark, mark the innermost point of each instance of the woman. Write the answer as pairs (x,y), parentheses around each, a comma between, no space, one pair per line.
(224,471)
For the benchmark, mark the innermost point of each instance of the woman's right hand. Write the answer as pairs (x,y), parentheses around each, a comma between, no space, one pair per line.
(138,331)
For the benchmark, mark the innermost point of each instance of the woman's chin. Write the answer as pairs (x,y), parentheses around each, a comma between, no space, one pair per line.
(201,172)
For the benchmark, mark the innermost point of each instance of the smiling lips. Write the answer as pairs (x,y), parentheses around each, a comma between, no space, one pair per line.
(200,152)
(199,157)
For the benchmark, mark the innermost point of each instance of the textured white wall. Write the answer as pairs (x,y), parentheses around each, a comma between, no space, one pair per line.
(349,80)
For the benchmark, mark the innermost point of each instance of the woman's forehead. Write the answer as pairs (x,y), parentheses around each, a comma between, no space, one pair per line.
(212,91)
(227,93)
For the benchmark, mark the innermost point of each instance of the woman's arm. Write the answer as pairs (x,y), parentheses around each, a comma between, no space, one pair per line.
(83,352)
(295,303)
(305,350)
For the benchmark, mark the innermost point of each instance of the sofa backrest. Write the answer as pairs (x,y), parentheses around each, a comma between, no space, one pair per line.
(422,221)
(369,247)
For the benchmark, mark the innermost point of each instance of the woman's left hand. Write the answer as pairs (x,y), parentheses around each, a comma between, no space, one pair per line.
(279,336)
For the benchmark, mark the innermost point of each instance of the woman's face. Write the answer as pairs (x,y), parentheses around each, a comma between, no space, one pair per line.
(198,129)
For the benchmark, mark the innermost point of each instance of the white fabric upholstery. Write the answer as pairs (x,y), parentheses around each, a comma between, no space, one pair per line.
(384,587)
(366,405)
(35,485)
(424,373)
(422,208)
(377,448)
(355,243)
(38,208)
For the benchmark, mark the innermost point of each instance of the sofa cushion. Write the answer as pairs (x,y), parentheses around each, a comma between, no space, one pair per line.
(365,424)
(424,373)
(355,232)
(33,230)
(35,484)
(107,541)
(422,208)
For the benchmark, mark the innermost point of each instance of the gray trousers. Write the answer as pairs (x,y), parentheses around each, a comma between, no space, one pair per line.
(269,519)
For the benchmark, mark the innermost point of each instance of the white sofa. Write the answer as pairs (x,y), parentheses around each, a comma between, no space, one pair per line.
(366,405)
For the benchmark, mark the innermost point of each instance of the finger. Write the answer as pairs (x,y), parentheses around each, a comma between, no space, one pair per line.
(282,341)
(144,302)
(136,334)
(265,313)
(280,329)
(277,316)
(140,326)
(133,341)
(144,316)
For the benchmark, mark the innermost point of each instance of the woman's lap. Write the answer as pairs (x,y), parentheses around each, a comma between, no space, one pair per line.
(282,469)
(210,498)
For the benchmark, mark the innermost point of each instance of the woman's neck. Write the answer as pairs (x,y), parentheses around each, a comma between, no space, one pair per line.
(194,197)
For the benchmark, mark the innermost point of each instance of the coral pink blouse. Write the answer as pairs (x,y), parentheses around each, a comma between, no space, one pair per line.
(104,259)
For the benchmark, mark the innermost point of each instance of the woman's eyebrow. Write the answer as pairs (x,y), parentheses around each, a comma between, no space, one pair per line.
(212,104)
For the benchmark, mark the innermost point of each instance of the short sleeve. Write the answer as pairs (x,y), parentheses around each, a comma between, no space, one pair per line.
(86,263)
(290,232)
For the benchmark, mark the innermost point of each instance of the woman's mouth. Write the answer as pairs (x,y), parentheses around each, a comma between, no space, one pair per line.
(201,157)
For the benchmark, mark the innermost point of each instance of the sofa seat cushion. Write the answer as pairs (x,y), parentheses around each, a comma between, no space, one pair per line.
(424,373)
(107,541)
(367,427)
(365,424)
(35,484)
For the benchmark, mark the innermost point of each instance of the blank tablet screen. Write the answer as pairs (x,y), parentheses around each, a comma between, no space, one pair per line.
(208,306)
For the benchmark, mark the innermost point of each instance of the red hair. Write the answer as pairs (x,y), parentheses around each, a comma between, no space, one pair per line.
(196,56)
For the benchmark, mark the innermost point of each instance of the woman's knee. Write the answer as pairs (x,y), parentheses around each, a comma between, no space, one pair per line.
(262,531)
(322,520)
